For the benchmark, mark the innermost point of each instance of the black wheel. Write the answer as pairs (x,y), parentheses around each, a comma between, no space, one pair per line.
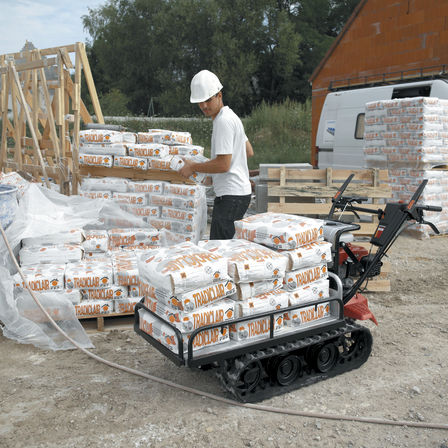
(250,377)
(326,357)
(286,369)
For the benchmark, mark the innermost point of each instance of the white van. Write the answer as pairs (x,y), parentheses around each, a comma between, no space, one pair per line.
(340,134)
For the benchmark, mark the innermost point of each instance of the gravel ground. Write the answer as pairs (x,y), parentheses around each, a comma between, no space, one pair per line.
(65,399)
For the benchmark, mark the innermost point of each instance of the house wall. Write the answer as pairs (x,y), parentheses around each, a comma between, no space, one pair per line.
(383,36)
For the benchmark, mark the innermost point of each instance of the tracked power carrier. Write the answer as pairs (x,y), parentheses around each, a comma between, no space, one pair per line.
(328,340)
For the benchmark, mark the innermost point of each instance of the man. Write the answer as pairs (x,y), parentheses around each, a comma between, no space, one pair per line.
(230,149)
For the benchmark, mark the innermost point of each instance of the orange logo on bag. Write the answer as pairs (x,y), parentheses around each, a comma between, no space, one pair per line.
(229,313)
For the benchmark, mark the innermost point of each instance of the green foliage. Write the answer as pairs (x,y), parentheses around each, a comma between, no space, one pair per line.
(114,103)
(279,133)
(262,50)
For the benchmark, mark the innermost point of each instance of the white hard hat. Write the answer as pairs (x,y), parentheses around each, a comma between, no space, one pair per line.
(203,86)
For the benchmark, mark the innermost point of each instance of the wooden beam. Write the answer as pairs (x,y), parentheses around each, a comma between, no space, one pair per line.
(15,76)
(90,84)
(75,95)
(32,65)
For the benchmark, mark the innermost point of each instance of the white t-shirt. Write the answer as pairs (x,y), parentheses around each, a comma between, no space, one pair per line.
(228,137)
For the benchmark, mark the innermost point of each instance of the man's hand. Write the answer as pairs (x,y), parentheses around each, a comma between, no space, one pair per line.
(187,170)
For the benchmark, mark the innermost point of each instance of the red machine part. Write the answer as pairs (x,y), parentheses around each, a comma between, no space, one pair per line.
(358,308)
(359,252)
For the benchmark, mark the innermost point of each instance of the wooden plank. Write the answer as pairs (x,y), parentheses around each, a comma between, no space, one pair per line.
(90,84)
(337,175)
(5,120)
(169,176)
(30,124)
(306,208)
(29,166)
(32,65)
(76,98)
(324,191)
(378,285)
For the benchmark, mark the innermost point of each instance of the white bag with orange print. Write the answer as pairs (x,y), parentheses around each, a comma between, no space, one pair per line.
(96,241)
(186,322)
(117,184)
(131,162)
(189,300)
(182,267)
(114,292)
(177,163)
(132,237)
(257,328)
(319,289)
(174,201)
(89,274)
(145,211)
(186,150)
(96,160)
(106,136)
(248,261)
(308,255)
(103,194)
(270,301)
(280,230)
(112,149)
(125,268)
(307,314)
(55,254)
(44,277)
(146,186)
(166,335)
(130,198)
(94,307)
(302,277)
(73,236)
(148,150)
(126,304)
(251,289)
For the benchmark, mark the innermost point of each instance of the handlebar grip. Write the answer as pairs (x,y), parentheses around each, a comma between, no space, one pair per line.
(431,208)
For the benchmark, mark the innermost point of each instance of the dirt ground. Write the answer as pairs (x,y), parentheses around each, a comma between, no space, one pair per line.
(65,399)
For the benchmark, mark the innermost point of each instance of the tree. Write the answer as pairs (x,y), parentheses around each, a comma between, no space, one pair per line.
(262,50)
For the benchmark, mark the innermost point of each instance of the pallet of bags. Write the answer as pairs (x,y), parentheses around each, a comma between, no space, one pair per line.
(409,136)
(300,240)
(258,273)
(182,210)
(105,142)
(187,288)
(55,249)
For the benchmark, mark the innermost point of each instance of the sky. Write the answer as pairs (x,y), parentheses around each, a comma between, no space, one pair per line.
(45,23)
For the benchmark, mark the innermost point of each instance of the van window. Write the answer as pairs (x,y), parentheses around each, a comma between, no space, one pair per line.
(411,92)
(359,129)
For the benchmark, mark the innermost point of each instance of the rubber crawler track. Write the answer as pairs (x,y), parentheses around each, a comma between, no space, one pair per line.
(262,374)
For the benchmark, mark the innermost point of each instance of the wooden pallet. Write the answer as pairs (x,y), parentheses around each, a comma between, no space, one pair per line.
(309,192)
(131,173)
(107,322)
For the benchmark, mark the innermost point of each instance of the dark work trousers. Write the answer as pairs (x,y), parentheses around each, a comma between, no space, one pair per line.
(226,210)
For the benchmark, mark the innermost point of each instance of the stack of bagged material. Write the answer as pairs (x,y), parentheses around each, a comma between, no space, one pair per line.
(103,188)
(81,266)
(96,243)
(180,209)
(258,273)
(409,136)
(43,261)
(58,248)
(187,287)
(157,149)
(99,147)
(300,240)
